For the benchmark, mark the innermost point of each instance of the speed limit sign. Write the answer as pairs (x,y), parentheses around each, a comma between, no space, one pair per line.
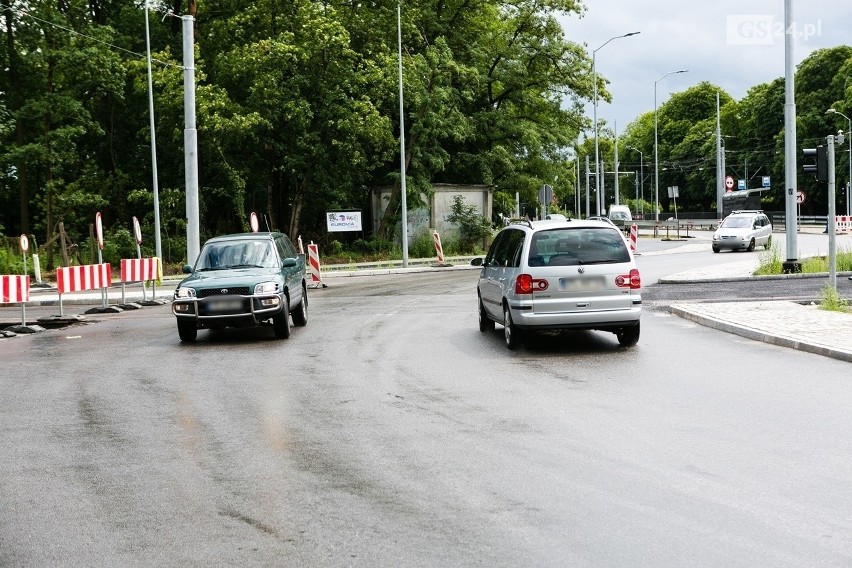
(254,224)
(99,230)
(25,243)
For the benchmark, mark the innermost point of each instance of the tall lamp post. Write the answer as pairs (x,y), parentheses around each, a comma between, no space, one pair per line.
(849,147)
(656,149)
(641,179)
(595,118)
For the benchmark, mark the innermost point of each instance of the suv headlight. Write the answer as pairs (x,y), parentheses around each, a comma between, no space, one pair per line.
(184,292)
(266,288)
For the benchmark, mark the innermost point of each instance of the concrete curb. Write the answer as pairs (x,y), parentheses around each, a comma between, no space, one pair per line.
(757,335)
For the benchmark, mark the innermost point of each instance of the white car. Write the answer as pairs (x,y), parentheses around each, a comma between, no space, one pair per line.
(557,275)
(743,230)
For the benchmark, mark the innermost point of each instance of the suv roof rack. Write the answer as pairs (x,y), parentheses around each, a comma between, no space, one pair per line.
(747,211)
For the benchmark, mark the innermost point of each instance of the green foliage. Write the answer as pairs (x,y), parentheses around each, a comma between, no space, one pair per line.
(473,227)
(770,261)
(11,261)
(831,300)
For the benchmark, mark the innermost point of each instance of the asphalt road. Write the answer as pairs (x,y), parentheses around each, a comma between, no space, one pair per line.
(390,432)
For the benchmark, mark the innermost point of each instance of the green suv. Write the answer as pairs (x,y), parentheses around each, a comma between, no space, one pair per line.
(243,280)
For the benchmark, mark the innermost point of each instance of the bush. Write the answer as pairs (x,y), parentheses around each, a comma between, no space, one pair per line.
(473,227)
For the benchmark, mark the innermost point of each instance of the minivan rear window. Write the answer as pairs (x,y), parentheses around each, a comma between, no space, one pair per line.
(580,245)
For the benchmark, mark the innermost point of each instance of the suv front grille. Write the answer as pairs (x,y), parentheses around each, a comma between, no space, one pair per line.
(236,291)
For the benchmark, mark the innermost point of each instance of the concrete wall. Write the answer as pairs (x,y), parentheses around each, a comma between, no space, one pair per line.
(438,206)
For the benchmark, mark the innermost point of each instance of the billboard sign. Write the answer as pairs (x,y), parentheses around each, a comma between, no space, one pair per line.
(342,221)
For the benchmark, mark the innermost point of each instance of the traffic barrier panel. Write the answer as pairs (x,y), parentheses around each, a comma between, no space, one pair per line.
(843,223)
(81,278)
(439,250)
(634,237)
(15,289)
(314,261)
(141,270)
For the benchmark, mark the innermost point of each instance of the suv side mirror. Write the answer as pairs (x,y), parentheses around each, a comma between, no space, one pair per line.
(476,261)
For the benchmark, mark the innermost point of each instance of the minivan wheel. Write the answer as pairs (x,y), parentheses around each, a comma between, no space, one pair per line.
(768,243)
(628,336)
(486,324)
(715,248)
(751,246)
(510,332)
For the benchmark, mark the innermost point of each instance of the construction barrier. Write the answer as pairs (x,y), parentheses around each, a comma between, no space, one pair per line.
(843,223)
(13,290)
(314,261)
(634,237)
(82,278)
(141,270)
(439,250)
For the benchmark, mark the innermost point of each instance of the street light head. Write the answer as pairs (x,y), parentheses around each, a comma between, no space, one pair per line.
(682,71)
(831,111)
(632,34)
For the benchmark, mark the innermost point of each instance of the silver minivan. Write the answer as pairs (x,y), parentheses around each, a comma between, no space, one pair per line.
(558,275)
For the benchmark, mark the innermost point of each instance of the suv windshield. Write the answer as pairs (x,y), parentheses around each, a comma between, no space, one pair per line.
(570,246)
(237,254)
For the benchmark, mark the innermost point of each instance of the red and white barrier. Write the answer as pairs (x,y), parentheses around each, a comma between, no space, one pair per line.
(439,250)
(843,223)
(140,269)
(314,262)
(14,289)
(634,236)
(82,278)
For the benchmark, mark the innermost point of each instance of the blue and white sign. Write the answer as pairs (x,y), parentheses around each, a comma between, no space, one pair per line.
(342,221)
(741,184)
(765,181)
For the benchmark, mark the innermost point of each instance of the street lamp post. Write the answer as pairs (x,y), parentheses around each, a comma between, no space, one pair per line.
(656,149)
(849,147)
(595,113)
(641,180)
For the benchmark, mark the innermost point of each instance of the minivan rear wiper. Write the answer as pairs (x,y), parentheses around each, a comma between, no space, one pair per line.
(602,261)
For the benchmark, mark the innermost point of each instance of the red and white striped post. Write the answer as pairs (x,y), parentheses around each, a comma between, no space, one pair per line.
(439,250)
(314,262)
(634,236)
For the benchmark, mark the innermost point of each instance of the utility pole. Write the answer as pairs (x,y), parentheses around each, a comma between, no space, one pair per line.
(587,187)
(615,159)
(190,142)
(832,226)
(792,263)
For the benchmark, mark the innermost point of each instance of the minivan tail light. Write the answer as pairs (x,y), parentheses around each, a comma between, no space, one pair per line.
(632,280)
(526,284)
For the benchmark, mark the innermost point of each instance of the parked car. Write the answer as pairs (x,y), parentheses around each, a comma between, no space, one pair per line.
(243,280)
(743,230)
(559,275)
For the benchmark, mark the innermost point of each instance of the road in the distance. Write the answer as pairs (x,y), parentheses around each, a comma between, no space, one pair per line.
(391,432)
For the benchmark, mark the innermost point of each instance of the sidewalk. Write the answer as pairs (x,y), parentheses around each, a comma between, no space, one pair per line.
(779,322)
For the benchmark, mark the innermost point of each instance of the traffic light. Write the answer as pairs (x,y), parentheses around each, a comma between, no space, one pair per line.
(816,162)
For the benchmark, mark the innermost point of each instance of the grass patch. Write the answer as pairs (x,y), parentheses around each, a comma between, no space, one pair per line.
(832,301)
(770,262)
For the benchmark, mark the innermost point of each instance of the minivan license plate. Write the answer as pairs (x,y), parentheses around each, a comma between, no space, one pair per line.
(584,284)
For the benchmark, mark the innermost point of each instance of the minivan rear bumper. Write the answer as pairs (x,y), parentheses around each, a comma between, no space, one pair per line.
(525,318)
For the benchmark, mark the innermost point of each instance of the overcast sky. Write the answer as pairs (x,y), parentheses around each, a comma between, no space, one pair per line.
(733,44)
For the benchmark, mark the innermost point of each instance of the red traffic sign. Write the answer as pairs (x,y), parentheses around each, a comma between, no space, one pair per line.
(800,197)
(25,243)
(137,231)
(254,224)
(99,230)
(729,183)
